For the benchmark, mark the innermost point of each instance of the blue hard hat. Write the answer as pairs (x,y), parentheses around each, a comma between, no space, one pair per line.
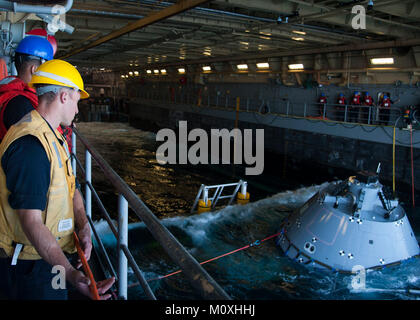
(341,95)
(385,96)
(367,93)
(36,46)
(357,92)
(323,94)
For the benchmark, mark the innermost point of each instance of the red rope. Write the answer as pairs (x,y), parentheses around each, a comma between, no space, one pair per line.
(412,167)
(92,287)
(256,243)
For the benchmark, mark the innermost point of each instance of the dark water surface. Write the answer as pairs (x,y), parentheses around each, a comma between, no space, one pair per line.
(259,272)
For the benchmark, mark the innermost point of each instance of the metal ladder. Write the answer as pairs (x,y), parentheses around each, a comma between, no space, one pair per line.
(203,193)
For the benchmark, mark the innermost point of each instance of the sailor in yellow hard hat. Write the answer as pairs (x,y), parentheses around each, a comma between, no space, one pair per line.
(37,186)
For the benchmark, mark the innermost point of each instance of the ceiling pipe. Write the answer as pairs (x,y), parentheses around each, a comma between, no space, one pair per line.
(61,25)
(18,7)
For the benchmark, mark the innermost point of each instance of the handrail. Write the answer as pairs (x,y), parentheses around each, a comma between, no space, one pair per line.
(348,113)
(122,281)
(217,195)
(194,272)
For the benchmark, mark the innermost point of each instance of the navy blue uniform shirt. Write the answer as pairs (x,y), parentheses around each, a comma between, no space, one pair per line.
(27,170)
(25,162)
(15,110)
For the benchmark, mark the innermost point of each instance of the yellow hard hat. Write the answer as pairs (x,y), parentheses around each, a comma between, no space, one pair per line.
(60,73)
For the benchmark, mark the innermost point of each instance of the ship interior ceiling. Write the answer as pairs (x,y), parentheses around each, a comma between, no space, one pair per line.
(227,31)
(276,56)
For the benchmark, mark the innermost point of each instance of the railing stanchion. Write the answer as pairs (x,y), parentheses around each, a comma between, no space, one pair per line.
(122,241)
(73,150)
(88,192)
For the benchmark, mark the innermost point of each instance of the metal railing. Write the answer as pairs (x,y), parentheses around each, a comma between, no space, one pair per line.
(193,271)
(360,114)
(203,193)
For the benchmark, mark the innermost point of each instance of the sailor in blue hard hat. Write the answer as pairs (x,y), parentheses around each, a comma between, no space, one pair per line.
(16,98)
(33,50)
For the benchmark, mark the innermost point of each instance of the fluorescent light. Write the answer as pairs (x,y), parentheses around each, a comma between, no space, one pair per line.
(298,39)
(299,32)
(130,73)
(382,61)
(181,70)
(263,65)
(149,71)
(242,66)
(136,73)
(122,76)
(163,71)
(297,66)
(156,71)
(206,68)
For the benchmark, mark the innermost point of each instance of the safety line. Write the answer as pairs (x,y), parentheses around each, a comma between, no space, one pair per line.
(92,286)
(412,167)
(393,163)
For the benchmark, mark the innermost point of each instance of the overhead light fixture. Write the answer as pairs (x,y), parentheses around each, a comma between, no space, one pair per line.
(382,61)
(242,66)
(122,76)
(181,70)
(297,66)
(156,71)
(298,39)
(163,71)
(299,32)
(263,65)
(206,68)
(130,73)
(149,71)
(136,73)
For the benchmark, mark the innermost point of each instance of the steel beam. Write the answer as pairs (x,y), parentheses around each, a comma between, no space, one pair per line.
(177,8)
